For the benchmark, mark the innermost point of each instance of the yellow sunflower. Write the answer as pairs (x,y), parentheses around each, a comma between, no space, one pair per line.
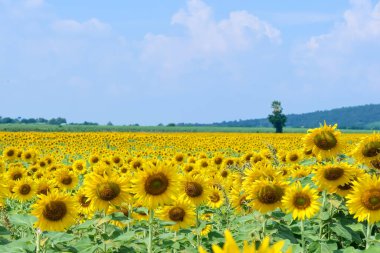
(16,172)
(155,185)
(302,202)
(230,246)
(324,141)
(239,201)
(330,176)
(103,191)
(10,153)
(216,198)
(55,212)
(364,199)
(24,189)
(80,166)
(266,195)
(66,179)
(293,156)
(195,188)
(181,211)
(368,150)
(84,203)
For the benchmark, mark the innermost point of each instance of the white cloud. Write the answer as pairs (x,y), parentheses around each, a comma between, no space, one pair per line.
(205,38)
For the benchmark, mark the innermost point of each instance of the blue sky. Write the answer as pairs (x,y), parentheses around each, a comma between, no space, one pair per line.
(151,62)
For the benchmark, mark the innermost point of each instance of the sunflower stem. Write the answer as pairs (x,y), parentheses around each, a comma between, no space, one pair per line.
(321,223)
(38,240)
(303,237)
(151,214)
(105,231)
(368,235)
(197,226)
(264,226)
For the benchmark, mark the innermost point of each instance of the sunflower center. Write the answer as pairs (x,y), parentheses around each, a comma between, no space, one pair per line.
(156,184)
(345,187)
(108,191)
(193,189)
(25,189)
(136,165)
(308,152)
(333,173)
(177,214)
(66,180)
(218,160)
(28,156)
(116,159)
(84,201)
(371,149)
(10,153)
(204,164)
(376,163)
(17,176)
(270,194)
(79,167)
(124,170)
(215,197)
(179,158)
(325,140)
(293,157)
(224,173)
(189,168)
(55,210)
(43,191)
(301,201)
(95,160)
(371,199)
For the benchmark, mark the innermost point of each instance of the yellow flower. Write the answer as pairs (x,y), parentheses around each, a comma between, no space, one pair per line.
(216,198)
(155,185)
(368,150)
(103,191)
(181,212)
(55,211)
(302,202)
(266,195)
(330,176)
(195,188)
(364,199)
(324,142)
(230,246)
(24,189)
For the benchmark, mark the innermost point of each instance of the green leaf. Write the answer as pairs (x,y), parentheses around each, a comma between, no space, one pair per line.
(341,231)
(22,220)
(4,231)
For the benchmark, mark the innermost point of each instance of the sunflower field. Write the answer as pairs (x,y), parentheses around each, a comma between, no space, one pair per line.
(190,192)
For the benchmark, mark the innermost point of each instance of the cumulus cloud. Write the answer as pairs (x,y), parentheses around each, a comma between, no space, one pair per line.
(205,38)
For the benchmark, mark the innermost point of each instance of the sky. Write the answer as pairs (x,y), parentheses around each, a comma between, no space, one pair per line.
(151,62)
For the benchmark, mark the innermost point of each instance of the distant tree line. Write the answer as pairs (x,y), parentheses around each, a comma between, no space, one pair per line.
(53,121)
(354,117)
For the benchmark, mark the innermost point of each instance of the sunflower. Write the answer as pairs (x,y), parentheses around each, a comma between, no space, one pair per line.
(293,156)
(330,176)
(302,202)
(368,150)
(84,203)
(80,166)
(179,158)
(44,185)
(195,188)
(239,201)
(66,179)
(324,141)
(10,153)
(181,211)
(364,199)
(266,195)
(29,156)
(16,172)
(216,198)
(155,185)
(55,211)
(103,191)
(94,159)
(24,189)
(230,246)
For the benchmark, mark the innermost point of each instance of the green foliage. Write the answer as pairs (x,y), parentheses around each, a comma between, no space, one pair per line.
(277,118)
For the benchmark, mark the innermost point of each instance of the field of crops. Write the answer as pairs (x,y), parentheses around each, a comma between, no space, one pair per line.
(190,192)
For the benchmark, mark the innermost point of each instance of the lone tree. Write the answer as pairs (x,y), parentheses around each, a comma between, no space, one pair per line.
(277,118)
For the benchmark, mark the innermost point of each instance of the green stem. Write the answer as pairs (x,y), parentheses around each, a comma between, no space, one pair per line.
(38,239)
(368,235)
(104,231)
(151,215)
(197,227)
(322,209)
(264,226)
(303,237)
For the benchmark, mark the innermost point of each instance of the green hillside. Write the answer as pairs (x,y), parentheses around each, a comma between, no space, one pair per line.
(354,117)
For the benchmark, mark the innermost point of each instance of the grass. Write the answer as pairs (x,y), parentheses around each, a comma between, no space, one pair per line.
(91,128)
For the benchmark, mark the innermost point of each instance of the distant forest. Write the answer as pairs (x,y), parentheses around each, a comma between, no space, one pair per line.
(53,121)
(355,117)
